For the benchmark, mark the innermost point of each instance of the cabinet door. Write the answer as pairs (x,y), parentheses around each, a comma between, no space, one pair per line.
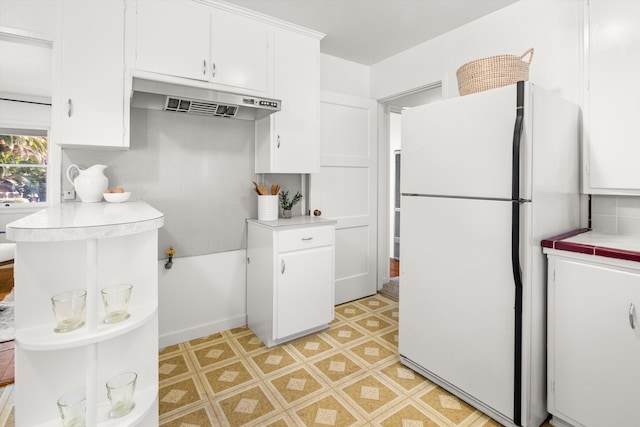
(596,349)
(91,102)
(611,101)
(288,141)
(173,38)
(239,51)
(304,297)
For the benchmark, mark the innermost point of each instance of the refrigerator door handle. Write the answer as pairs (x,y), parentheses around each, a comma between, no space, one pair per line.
(515,253)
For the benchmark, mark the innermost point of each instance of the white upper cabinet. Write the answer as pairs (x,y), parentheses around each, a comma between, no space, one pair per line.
(173,38)
(89,105)
(186,39)
(612,145)
(239,51)
(288,141)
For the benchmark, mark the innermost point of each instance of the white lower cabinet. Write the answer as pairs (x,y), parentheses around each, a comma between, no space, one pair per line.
(85,246)
(593,341)
(290,277)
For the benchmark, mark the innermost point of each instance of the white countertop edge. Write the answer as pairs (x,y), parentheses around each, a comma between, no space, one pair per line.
(296,221)
(78,221)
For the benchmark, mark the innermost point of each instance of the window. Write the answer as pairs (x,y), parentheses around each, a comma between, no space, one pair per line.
(23,166)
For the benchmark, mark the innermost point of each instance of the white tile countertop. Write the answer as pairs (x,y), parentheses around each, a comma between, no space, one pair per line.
(608,240)
(585,241)
(77,221)
(296,221)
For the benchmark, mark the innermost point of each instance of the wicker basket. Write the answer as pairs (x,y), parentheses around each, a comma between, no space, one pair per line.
(493,72)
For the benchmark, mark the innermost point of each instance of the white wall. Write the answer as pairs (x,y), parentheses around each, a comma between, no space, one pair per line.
(551,27)
(201,295)
(342,76)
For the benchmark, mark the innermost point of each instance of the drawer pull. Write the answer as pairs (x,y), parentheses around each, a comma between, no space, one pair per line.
(632,310)
(283,267)
(306,239)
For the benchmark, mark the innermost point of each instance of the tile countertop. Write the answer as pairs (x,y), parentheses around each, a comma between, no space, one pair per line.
(296,221)
(79,221)
(589,242)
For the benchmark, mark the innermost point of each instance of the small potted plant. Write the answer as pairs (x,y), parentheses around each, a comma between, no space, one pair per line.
(286,204)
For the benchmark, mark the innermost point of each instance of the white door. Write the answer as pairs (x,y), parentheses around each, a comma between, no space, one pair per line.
(596,348)
(461,146)
(457,308)
(346,189)
(173,38)
(303,297)
(239,50)
(92,82)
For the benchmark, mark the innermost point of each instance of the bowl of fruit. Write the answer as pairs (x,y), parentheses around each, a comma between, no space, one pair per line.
(116,195)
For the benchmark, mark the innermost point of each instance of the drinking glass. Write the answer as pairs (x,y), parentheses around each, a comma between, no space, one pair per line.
(69,309)
(116,303)
(120,391)
(72,409)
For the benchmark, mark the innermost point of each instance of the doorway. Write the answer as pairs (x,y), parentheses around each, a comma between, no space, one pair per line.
(393,107)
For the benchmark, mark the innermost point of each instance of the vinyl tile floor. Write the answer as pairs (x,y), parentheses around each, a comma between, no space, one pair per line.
(346,375)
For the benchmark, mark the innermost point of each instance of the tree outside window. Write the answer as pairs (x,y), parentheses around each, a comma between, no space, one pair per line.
(23,169)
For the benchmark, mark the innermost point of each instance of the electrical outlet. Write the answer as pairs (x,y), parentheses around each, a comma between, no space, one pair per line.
(69,195)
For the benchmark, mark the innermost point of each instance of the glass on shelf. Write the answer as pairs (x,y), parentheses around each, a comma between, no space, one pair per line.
(116,302)
(120,390)
(69,310)
(72,408)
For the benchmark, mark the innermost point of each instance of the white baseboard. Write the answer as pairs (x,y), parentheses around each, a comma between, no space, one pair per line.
(201,331)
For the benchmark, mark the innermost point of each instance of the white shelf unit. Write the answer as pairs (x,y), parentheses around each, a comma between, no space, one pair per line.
(103,250)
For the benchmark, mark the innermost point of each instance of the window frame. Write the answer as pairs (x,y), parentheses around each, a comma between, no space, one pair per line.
(28,132)
(53,168)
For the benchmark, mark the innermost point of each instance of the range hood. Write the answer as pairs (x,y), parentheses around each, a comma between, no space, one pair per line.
(156,95)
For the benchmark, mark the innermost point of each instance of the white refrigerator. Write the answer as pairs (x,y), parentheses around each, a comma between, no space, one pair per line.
(485,177)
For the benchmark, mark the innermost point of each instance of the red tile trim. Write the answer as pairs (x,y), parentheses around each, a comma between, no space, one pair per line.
(557,242)
(551,241)
(575,247)
(617,253)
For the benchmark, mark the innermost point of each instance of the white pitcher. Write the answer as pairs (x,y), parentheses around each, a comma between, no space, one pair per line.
(90,183)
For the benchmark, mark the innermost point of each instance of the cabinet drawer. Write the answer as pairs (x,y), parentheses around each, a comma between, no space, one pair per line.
(304,238)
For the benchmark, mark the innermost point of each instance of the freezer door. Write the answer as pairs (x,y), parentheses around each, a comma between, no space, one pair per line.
(457,295)
(462,146)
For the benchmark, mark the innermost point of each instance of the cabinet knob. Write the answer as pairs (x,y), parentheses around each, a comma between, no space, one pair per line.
(632,321)
(69,107)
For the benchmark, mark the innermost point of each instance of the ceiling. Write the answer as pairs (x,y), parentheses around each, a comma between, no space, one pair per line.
(362,31)
(368,31)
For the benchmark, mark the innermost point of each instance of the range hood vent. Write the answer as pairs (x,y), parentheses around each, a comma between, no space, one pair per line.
(156,95)
(183,105)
